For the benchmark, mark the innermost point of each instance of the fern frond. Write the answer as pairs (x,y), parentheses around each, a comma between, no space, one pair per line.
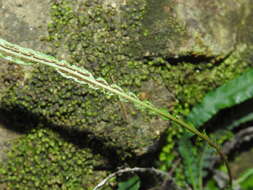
(230,94)
(204,161)
(190,161)
(25,56)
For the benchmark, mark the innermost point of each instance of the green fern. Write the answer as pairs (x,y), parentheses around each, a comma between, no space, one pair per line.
(195,161)
(232,93)
(190,161)
(131,184)
(244,119)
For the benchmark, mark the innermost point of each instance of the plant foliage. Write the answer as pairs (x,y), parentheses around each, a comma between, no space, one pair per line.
(232,93)
(41,163)
(190,161)
(131,184)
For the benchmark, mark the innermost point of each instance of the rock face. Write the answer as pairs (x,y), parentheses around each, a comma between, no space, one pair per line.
(113,39)
(212,25)
(99,45)
(179,28)
(22,22)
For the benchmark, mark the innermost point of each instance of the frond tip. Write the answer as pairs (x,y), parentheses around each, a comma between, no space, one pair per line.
(25,56)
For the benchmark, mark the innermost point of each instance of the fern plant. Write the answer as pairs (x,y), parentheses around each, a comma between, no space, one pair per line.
(25,56)
(195,161)
(230,94)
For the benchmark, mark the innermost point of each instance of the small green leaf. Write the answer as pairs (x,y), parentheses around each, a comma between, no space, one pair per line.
(244,119)
(131,184)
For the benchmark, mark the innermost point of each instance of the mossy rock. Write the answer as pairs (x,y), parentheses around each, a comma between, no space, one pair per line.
(99,39)
(114,40)
(95,39)
(45,160)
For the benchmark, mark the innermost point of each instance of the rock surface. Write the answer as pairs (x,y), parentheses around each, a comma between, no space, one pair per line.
(180,28)
(23,22)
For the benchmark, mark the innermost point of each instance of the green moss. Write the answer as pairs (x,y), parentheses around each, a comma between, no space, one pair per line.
(9,76)
(160,31)
(93,38)
(44,160)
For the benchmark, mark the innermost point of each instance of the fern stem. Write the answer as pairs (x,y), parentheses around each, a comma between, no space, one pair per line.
(20,55)
(201,135)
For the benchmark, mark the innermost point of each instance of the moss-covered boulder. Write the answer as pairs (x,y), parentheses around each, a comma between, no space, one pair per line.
(45,160)
(168,52)
(94,34)
(105,37)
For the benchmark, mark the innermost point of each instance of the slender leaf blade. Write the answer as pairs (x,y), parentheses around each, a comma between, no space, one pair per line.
(232,93)
(131,184)
(188,153)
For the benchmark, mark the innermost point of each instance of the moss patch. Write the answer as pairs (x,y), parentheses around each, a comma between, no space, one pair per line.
(43,160)
(161,33)
(93,36)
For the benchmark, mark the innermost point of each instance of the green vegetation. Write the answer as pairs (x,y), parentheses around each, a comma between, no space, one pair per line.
(245,180)
(132,184)
(234,92)
(21,55)
(197,156)
(190,83)
(230,94)
(63,103)
(45,160)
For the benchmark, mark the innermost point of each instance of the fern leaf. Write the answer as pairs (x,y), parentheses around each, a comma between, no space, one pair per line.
(234,92)
(190,161)
(26,56)
(204,161)
(131,184)
(244,119)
